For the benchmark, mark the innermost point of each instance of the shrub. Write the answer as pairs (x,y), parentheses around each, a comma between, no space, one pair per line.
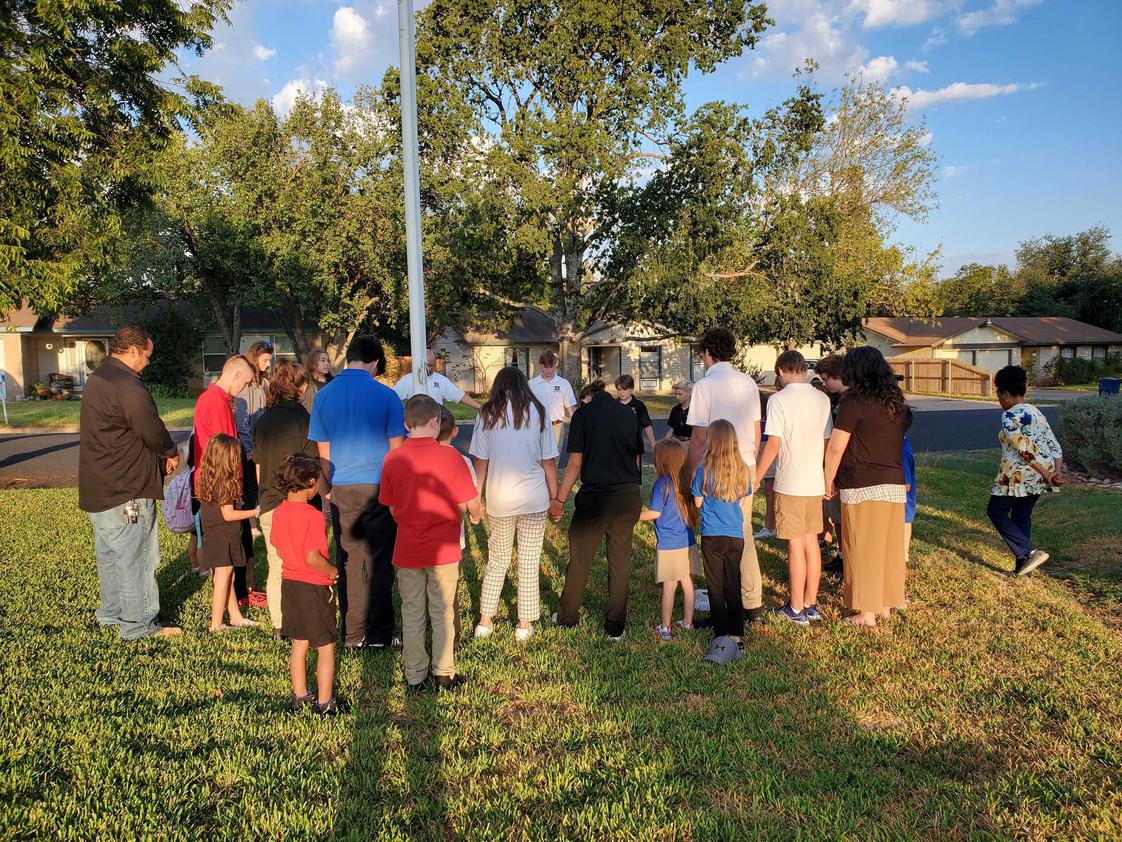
(1090,431)
(176,341)
(1073,371)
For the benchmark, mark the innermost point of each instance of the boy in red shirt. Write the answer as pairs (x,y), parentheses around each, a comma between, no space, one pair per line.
(428,488)
(307,598)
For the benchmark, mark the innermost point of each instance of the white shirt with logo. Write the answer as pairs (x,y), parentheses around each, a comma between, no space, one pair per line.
(731,395)
(438,387)
(799,415)
(555,394)
(515,477)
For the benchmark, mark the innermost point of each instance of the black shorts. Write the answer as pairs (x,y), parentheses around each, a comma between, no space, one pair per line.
(308,612)
(219,552)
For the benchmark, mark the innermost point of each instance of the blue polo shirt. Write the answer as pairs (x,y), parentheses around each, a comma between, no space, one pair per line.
(671,532)
(357,416)
(718,517)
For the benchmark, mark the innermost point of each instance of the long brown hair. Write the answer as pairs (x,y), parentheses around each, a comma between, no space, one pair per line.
(310,360)
(726,475)
(510,387)
(670,462)
(285,383)
(220,475)
(256,350)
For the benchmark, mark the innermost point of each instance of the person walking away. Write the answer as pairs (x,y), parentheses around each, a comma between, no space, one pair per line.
(307,595)
(355,422)
(672,512)
(515,452)
(428,488)
(555,393)
(220,491)
(124,452)
(676,426)
(1031,466)
(317,367)
(437,386)
(798,426)
(731,395)
(605,446)
(720,483)
(281,431)
(864,466)
(625,394)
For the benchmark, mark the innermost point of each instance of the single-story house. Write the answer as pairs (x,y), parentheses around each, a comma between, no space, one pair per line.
(33,347)
(994,342)
(472,357)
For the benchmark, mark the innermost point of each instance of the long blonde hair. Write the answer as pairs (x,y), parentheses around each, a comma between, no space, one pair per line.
(670,462)
(725,474)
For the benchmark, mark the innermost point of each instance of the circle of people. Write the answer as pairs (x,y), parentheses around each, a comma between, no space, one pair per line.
(280,455)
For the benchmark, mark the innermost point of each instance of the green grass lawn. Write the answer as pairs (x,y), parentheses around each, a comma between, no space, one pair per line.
(176,412)
(990,709)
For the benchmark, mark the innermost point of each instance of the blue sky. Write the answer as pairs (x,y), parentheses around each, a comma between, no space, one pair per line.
(1020,96)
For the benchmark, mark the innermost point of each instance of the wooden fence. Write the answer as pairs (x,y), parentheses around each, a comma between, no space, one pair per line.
(947,377)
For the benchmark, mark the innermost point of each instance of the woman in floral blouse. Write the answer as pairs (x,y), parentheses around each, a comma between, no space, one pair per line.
(1031,465)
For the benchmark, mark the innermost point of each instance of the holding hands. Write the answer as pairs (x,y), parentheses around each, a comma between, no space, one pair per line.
(556,509)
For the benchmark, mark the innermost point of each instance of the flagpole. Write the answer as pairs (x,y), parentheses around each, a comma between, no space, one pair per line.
(417,334)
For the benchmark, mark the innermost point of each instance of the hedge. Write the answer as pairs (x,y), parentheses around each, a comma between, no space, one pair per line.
(1090,431)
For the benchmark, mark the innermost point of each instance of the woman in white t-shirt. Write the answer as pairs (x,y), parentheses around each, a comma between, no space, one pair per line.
(516,462)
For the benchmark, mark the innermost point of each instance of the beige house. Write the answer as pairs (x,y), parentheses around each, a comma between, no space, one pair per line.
(992,343)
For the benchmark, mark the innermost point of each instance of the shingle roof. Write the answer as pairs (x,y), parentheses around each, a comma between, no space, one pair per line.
(105,318)
(1031,330)
(526,327)
(921,331)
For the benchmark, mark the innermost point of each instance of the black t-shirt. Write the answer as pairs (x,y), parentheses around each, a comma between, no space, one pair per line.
(875,453)
(677,422)
(282,430)
(640,410)
(609,437)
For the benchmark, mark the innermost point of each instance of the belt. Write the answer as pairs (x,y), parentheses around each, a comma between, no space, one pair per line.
(558,422)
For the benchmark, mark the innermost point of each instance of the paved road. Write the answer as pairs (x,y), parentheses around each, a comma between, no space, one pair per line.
(51,460)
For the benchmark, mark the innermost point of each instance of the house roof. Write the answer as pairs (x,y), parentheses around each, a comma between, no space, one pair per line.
(1031,330)
(527,327)
(107,318)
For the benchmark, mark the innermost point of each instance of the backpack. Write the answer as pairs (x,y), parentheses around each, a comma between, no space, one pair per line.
(177,503)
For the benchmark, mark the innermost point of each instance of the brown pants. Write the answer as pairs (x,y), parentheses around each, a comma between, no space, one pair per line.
(751,585)
(873,546)
(273,583)
(428,594)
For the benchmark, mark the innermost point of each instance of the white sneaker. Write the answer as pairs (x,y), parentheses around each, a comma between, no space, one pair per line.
(483,631)
(522,635)
(764,533)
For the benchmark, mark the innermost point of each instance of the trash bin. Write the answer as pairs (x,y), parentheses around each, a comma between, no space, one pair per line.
(1109,385)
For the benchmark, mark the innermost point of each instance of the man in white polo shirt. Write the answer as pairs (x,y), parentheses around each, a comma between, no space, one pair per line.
(555,393)
(438,387)
(725,393)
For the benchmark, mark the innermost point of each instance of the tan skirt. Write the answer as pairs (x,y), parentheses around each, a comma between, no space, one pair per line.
(672,565)
(874,549)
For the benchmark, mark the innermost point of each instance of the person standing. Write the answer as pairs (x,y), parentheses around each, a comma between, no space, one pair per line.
(317,367)
(555,393)
(355,422)
(250,403)
(437,386)
(625,393)
(605,446)
(728,394)
(280,432)
(798,425)
(676,426)
(516,466)
(864,466)
(124,452)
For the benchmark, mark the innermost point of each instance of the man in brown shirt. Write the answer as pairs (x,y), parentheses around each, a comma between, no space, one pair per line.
(124,452)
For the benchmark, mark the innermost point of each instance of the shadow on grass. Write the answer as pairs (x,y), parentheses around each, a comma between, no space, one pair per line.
(177,583)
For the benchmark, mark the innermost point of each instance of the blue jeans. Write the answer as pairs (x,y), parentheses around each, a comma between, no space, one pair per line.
(1012,517)
(127,557)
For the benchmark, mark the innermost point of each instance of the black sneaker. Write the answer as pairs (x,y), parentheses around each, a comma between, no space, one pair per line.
(383,646)
(753,615)
(329,708)
(449,683)
(1034,560)
(422,686)
(702,623)
(299,702)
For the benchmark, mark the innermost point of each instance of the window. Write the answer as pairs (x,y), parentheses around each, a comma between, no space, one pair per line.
(650,368)
(214,354)
(214,349)
(697,367)
(95,353)
(519,358)
(595,363)
(283,350)
(1098,352)
(1068,351)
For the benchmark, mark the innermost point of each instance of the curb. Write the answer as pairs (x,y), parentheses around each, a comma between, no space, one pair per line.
(62,431)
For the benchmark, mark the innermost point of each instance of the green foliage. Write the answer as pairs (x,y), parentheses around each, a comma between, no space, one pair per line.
(1091,432)
(176,351)
(80,105)
(1075,371)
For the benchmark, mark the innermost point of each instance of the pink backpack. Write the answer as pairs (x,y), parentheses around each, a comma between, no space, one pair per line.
(177,503)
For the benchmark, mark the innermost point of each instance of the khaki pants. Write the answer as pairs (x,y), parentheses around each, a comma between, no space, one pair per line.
(873,545)
(751,585)
(559,434)
(273,583)
(431,591)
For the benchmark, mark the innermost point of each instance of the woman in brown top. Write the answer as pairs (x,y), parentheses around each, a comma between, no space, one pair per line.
(864,466)
(317,366)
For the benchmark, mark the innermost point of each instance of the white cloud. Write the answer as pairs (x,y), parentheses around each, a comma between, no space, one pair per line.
(352,39)
(233,63)
(926,138)
(821,38)
(896,12)
(263,53)
(937,38)
(294,89)
(958,92)
(916,66)
(1001,13)
(952,171)
(880,68)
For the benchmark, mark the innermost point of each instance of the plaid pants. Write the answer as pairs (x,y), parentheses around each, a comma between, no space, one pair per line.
(500,545)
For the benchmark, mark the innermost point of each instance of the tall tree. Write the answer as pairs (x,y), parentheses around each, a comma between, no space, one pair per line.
(80,99)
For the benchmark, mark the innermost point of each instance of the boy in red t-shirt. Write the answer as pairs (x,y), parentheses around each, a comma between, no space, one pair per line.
(307,599)
(427,488)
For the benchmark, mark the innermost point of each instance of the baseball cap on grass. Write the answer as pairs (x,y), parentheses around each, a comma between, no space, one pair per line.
(723,650)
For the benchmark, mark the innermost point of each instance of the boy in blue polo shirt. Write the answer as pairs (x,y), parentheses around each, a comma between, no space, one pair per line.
(356,421)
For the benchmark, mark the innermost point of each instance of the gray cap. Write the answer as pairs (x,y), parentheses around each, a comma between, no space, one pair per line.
(722,650)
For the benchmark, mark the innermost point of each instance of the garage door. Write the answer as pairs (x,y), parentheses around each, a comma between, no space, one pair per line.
(994,360)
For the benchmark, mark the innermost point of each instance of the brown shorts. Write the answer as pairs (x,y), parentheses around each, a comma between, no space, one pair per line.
(797,516)
(309,612)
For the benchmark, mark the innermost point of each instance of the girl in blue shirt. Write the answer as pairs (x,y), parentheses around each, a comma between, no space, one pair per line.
(720,484)
(672,513)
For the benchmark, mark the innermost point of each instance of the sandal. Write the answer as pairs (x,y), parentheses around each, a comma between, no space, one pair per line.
(245,623)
